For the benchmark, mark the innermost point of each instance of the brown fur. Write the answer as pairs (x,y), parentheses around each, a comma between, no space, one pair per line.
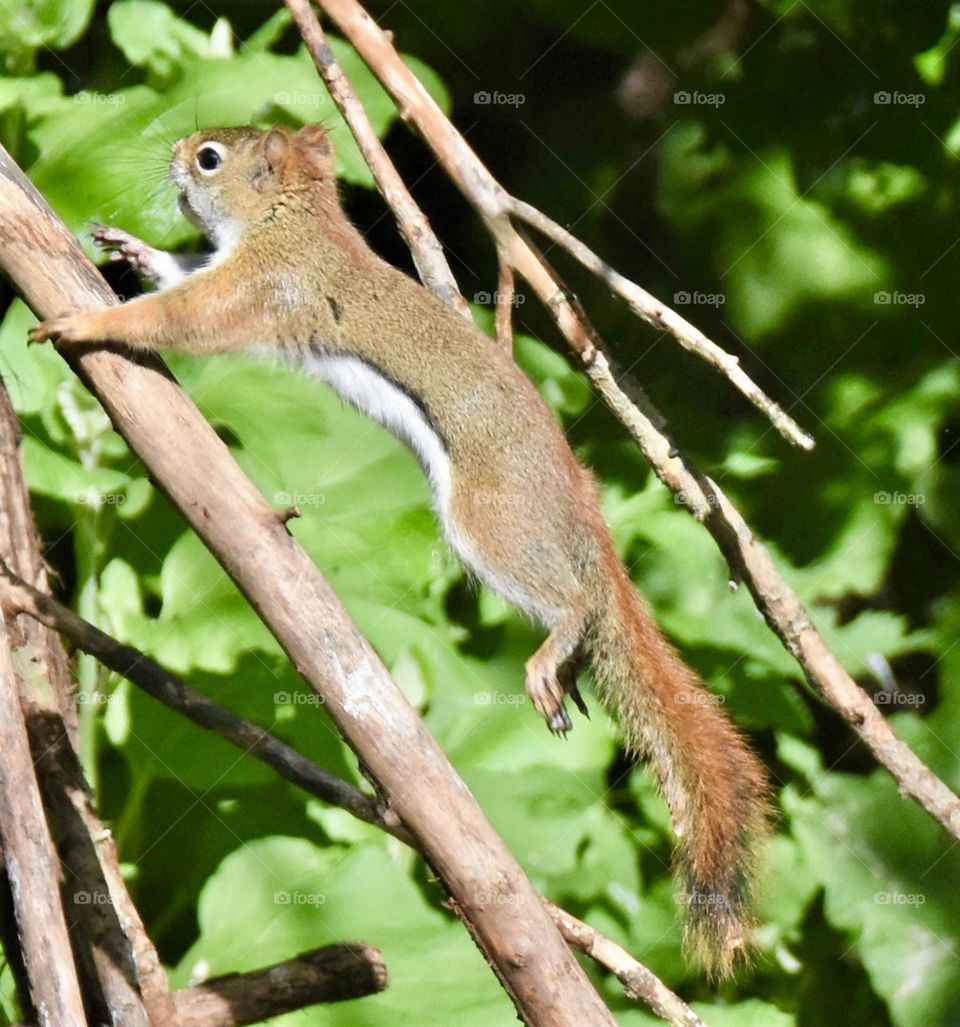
(522,512)
(714,786)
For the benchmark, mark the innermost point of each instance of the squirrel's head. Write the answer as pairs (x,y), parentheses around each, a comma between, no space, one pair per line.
(230,178)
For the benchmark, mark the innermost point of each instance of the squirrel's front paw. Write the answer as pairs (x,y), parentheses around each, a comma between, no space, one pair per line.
(156,266)
(66,328)
(121,245)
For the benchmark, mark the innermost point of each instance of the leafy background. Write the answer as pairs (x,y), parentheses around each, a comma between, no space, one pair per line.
(805,199)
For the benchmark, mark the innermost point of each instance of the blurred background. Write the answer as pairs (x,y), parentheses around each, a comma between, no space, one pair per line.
(785,175)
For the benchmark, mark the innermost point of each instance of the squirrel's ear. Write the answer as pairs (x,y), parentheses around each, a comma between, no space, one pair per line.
(275,148)
(314,143)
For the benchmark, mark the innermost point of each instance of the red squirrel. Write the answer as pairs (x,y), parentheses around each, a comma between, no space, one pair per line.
(290,276)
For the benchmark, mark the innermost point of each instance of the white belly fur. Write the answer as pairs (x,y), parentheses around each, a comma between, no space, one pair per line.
(360,385)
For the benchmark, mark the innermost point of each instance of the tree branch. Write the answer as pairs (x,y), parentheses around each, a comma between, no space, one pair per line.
(657,315)
(32,866)
(747,557)
(331,974)
(16,596)
(424,246)
(506,293)
(637,980)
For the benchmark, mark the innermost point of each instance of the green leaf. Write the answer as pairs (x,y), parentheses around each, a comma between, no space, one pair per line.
(33,375)
(29,90)
(297,897)
(752,1013)
(51,473)
(889,877)
(32,24)
(787,886)
(266,37)
(153,37)
(932,64)
(782,249)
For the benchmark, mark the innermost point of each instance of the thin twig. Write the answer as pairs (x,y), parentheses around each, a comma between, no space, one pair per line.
(637,980)
(506,292)
(662,317)
(17,596)
(748,559)
(424,246)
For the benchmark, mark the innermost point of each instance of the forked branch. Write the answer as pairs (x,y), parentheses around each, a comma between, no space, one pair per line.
(749,560)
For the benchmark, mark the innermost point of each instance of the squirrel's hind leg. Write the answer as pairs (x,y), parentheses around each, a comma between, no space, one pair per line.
(552,672)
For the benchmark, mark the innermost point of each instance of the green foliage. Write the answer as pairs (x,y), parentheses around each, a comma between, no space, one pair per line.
(821,218)
(865,847)
(298,896)
(27,27)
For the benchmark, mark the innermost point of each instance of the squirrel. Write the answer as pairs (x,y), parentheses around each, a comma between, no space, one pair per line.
(291,276)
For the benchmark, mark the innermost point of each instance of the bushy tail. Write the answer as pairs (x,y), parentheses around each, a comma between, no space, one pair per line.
(715,787)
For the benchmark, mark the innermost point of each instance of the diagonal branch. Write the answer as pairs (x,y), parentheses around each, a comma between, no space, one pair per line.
(657,315)
(428,255)
(17,596)
(637,980)
(748,558)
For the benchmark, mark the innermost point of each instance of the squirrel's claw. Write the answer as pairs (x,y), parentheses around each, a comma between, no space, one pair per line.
(66,328)
(44,331)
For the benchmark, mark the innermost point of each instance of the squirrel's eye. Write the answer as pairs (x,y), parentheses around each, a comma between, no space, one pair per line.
(209,158)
